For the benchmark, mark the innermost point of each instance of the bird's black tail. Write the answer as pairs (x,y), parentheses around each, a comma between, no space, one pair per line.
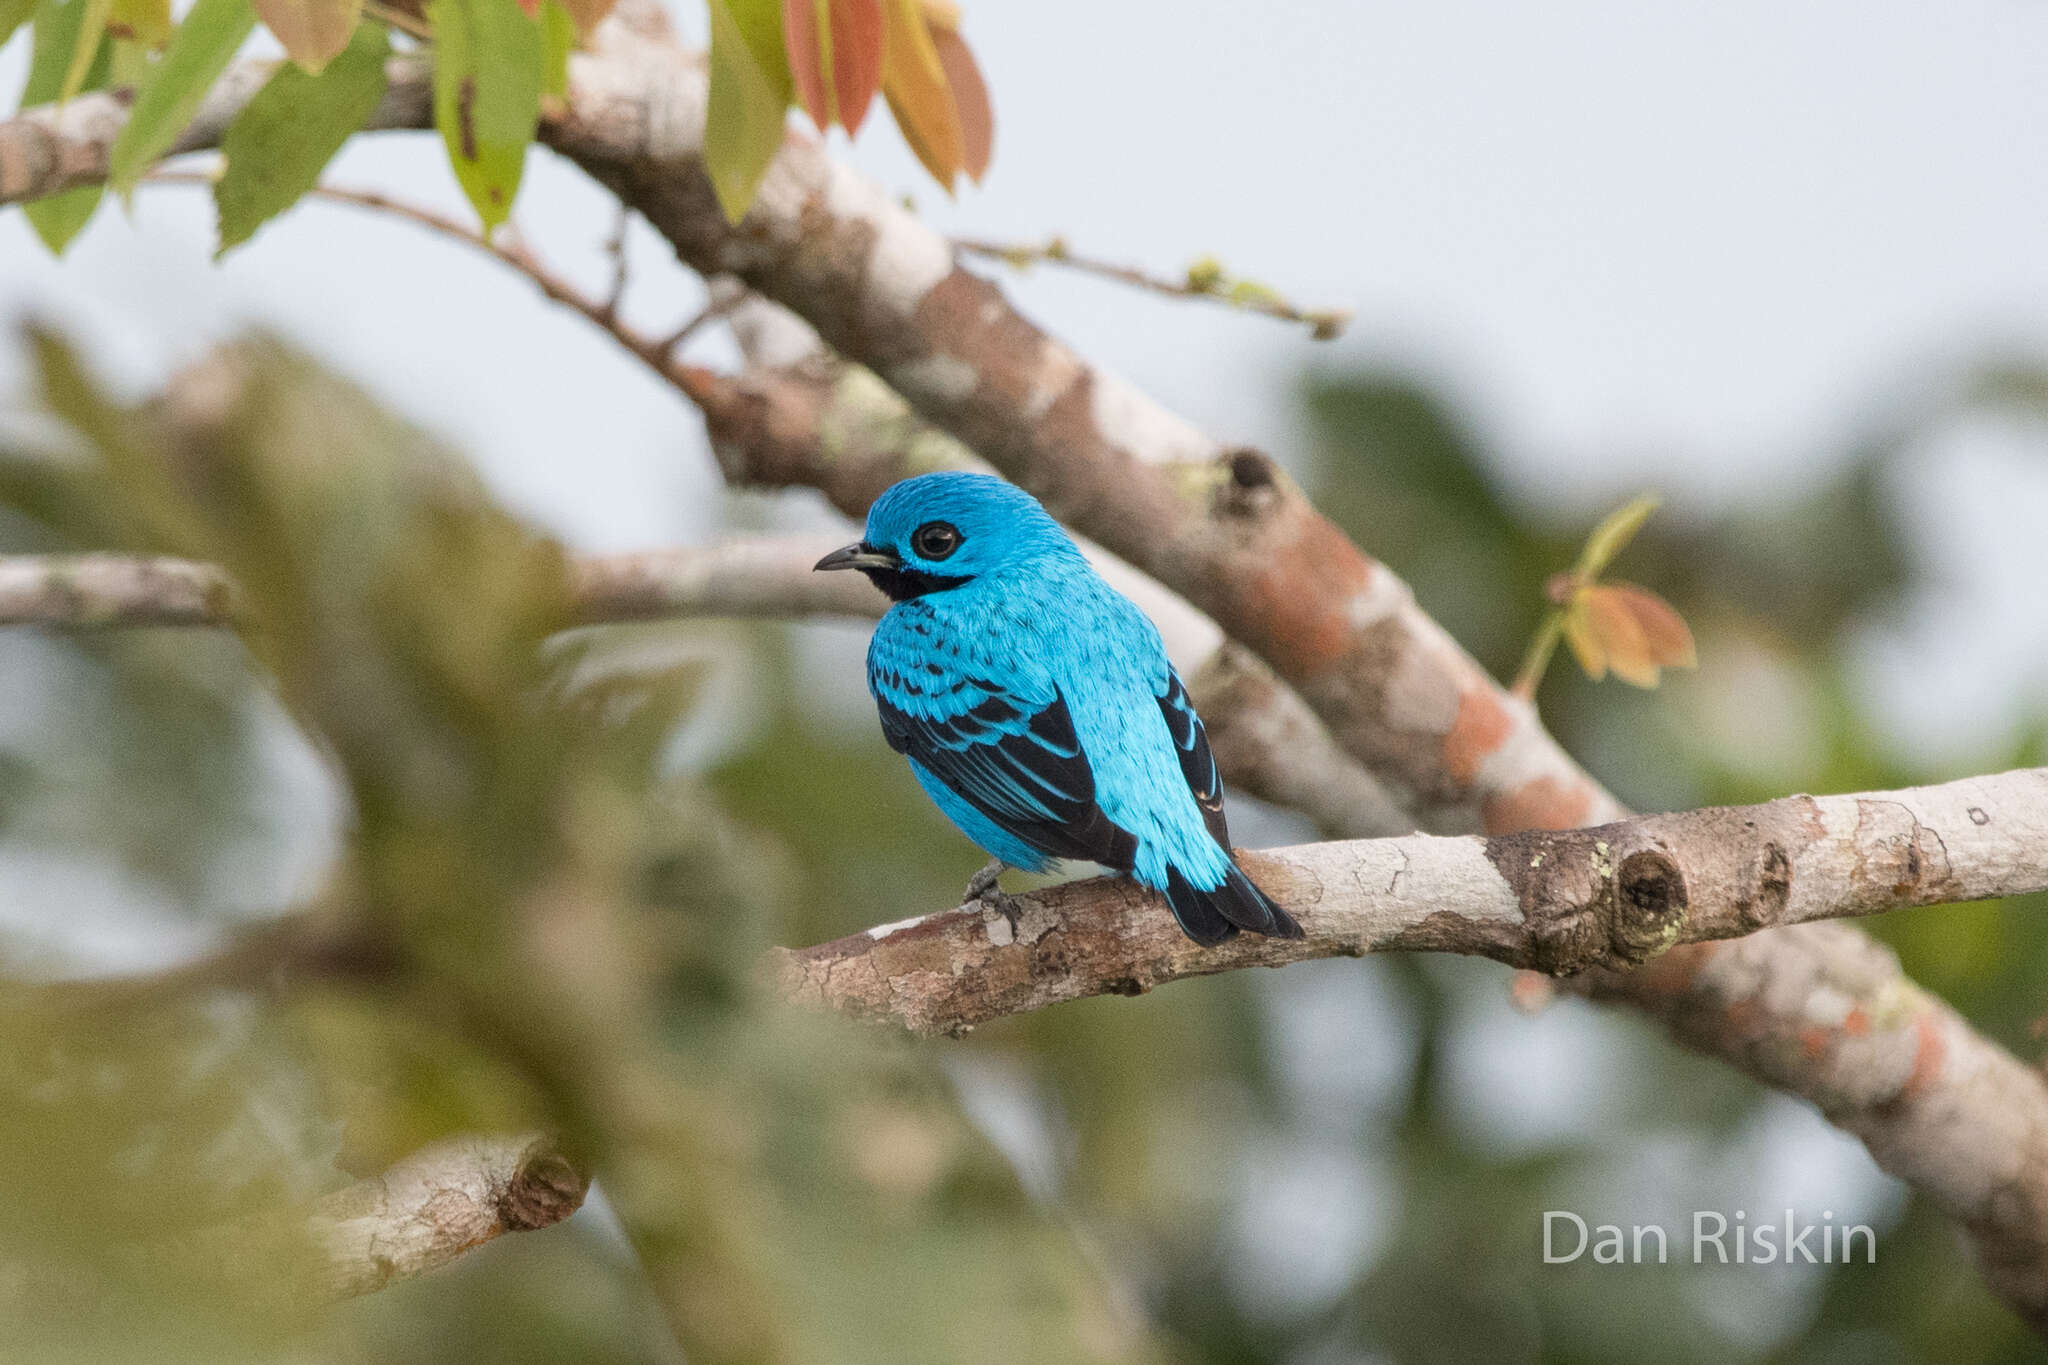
(1209,917)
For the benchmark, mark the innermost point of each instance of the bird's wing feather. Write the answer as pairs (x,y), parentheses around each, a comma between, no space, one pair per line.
(1197,764)
(1016,761)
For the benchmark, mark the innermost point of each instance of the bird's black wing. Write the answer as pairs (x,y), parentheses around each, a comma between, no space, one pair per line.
(1197,764)
(1018,765)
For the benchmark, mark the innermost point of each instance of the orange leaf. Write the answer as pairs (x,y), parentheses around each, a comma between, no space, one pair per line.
(835,57)
(970,101)
(1621,637)
(806,41)
(915,83)
(313,31)
(1670,642)
(588,14)
(856,59)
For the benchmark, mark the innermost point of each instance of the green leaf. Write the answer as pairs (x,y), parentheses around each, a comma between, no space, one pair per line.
(85,46)
(487,83)
(750,92)
(278,145)
(147,22)
(1612,536)
(558,39)
(57,218)
(13,14)
(200,51)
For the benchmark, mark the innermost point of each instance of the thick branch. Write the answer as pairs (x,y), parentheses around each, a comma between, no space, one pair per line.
(760,576)
(1938,1105)
(1562,902)
(55,147)
(435,1205)
(1223,526)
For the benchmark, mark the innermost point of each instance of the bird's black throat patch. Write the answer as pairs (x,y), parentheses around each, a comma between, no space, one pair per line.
(902,584)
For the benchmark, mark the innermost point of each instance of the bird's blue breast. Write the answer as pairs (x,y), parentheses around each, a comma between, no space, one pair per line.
(1032,698)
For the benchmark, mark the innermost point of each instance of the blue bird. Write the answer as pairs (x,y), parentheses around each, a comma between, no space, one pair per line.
(1036,704)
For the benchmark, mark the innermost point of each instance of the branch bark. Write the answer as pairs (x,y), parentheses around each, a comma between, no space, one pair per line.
(1223,526)
(438,1203)
(1565,902)
(1811,1007)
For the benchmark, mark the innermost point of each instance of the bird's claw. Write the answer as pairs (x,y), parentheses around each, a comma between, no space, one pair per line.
(984,887)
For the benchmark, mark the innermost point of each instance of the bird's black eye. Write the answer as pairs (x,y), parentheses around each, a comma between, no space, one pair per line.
(935,540)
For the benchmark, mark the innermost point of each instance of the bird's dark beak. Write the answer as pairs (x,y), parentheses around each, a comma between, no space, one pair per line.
(860,556)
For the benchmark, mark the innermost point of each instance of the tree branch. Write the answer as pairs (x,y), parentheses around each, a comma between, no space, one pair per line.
(1938,1105)
(1223,526)
(759,576)
(1205,279)
(438,1203)
(88,591)
(1561,902)
(55,147)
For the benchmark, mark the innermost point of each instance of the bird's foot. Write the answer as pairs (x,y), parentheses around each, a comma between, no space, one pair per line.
(983,886)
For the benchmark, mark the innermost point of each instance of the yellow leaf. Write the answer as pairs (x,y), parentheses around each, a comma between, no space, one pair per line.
(1586,647)
(914,81)
(147,22)
(970,102)
(91,28)
(1612,536)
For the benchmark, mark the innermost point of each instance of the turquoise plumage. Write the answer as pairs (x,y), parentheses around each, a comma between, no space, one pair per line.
(1036,704)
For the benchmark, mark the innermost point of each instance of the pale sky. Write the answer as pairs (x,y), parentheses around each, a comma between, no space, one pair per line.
(1680,244)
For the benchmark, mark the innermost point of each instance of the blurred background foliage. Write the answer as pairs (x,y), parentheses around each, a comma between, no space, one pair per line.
(568,849)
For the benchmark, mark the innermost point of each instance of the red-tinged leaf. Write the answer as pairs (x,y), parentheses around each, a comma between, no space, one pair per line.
(856,59)
(1670,640)
(750,90)
(588,14)
(835,57)
(1613,623)
(806,41)
(313,31)
(915,83)
(970,102)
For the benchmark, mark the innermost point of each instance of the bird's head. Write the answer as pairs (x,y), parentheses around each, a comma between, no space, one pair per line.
(942,531)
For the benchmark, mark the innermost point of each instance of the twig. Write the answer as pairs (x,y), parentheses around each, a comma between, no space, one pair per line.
(615,248)
(509,249)
(399,19)
(1205,279)
(710,312)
